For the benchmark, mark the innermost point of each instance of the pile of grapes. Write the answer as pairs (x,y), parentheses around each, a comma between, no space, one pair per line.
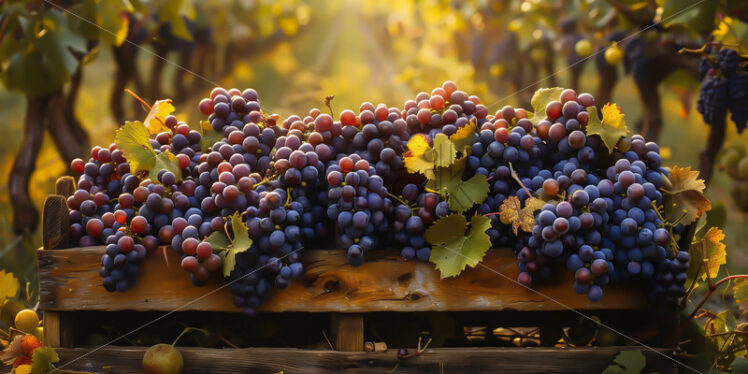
(306,180)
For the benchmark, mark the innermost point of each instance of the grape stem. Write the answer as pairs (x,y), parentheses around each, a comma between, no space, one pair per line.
(166,258)
(226,230)
(398,199)
(702,51)
(187,329)
(418,351)
(515,177)
(144,103)
(328,99)
(712,285)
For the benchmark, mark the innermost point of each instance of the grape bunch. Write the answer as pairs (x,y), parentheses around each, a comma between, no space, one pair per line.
(359,204)
(725,87)
(418,210)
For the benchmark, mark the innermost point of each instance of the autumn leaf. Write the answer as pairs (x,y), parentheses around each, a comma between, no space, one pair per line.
(13,350)
(740,292)
(611,128)
(463,137)
(155,120)
(453,249)
(228,248)
(420,156)
(684,195)
(43,359)
(444,151)
(511,212)
(8,286)
(540,100)
(715,255)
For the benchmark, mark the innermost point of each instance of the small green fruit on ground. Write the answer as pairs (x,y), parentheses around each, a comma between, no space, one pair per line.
(162,359)
(583,48)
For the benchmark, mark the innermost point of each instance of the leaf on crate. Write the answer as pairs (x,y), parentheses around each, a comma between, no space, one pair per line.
(209,136)
(627,362)
(684,195)
(463,137)
(154,121)
(715,252)
(512,213)
(8,286)
(227,248)
(540,100)
(454,249)
(444,152)
(43,359)
(611,128)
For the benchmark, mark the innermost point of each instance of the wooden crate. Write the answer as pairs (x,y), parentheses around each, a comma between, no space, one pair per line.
(70,289)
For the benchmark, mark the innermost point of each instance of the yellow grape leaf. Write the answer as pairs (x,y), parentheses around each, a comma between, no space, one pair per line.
(527,214)
(509,210)
(540,100)
(611,128)
(740,293)
(134,141)
(716,332)
(715,255)
(453,249)
(444,151)
(684,194)
(418,145)
(42,359)
(154,121)
(463,138)
(8,286)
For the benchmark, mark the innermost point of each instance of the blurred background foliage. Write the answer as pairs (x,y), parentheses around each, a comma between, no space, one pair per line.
(296,52)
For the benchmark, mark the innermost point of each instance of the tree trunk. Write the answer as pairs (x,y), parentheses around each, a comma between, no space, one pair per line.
(125,60)
(25,214)
(69,138)
(709,155)
(153,90)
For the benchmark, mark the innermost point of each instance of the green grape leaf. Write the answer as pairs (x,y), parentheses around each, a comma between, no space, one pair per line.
(209,136)
(113,18)
(42,360)
(463,137)
(134,141)
(740,293)
(444,151)
(420,156)
(445,180)
(154,121)
(165,161)
(611,128)
(540,100)
(228,249)
(8,286)
(174,12)
(627,362)
(453,249)
(684,195)
(698,18)
(468,193)
(717,332)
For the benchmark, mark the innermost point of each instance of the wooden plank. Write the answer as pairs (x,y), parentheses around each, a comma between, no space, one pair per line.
(348,330)
(69,280)
(55,222)
(52,328)
(447,360)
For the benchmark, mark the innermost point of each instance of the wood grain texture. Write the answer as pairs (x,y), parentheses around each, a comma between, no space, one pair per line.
(55,222)
(447,360)
(69,280)
(52,329)
(348,331)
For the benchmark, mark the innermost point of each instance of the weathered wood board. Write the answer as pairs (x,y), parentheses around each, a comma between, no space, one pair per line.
(69,281)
